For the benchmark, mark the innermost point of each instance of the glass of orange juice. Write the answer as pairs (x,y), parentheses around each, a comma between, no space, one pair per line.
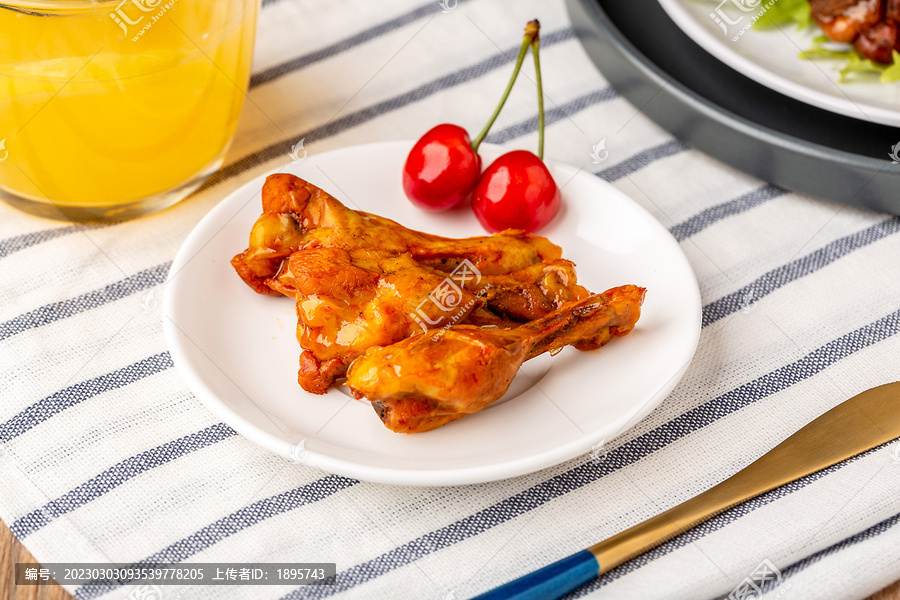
(114,109)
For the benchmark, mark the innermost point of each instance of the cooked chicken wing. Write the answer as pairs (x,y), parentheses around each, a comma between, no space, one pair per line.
(360,280)
(298,214)
(434,377)
(350,301)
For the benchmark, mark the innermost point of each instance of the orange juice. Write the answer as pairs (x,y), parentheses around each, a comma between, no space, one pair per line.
(114,106)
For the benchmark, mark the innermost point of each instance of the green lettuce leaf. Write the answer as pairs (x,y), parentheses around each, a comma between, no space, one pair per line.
(892,72)
(856,68)
(786,12)
(859,67)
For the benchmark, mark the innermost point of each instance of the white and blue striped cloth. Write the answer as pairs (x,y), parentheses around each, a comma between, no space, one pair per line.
(107,457)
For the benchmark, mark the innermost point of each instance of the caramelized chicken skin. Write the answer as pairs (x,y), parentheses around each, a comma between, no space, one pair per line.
(297,214)
(361,280)
(435,377)
(350,301)
(406,311)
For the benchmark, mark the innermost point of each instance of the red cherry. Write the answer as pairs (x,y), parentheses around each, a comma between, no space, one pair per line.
(441,168)
(516,192)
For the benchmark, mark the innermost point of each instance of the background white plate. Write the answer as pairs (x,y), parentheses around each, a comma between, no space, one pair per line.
(770,57)
(238,353)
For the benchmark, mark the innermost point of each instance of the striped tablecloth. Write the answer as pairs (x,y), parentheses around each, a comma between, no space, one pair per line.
(106,455)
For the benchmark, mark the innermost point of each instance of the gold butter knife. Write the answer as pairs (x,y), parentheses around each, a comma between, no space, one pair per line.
(863,422)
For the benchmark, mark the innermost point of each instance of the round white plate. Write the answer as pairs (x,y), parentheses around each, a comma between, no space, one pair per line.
(237,350)
(770,57)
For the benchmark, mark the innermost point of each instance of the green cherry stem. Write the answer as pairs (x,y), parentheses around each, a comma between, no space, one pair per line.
(531,34)
(540,91)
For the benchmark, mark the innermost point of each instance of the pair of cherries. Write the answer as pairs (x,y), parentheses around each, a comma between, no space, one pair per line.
(516,191)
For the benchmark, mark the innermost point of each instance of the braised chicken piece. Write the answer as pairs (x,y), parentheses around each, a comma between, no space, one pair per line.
(361,280)
(439,376)
(878,42)
(870,25)
(349,301)
(298,214)
(844,20)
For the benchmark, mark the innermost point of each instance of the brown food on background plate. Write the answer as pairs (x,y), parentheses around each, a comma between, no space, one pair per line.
(870,25)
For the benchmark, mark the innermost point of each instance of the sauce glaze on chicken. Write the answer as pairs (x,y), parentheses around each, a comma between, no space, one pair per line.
(363,282)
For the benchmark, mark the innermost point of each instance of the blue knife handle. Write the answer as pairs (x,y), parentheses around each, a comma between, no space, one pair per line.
(549,583)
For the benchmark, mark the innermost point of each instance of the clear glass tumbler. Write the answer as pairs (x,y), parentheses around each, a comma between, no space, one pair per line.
(114,109)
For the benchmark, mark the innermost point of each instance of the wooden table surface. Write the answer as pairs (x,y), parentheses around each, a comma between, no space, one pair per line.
(12,551)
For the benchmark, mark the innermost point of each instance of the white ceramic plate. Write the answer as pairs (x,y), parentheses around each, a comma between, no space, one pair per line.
(770,57)
(237,351)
